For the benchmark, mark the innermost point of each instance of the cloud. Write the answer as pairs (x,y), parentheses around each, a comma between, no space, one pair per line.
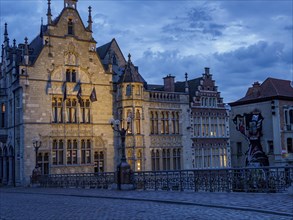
(261,55)
(198,22)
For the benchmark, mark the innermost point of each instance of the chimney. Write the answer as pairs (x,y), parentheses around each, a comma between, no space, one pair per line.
(169,85)
(207,70)
(256,89)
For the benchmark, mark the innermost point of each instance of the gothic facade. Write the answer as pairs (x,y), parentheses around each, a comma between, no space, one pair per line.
(61,89)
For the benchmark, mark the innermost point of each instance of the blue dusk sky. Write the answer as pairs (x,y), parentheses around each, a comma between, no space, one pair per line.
(241,41)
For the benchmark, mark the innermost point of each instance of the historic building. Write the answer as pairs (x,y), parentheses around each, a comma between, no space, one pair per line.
(261,125)
(209,124)
(62,90)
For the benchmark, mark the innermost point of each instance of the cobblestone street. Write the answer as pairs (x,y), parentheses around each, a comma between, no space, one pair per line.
(56,203)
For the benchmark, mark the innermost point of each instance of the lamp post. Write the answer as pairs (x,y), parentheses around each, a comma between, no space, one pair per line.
(123,169)
(36,171)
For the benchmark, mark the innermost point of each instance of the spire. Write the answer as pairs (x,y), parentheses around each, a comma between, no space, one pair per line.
(5,32)
(129,59)
(90,22)
(6,38)
(26,53)
(49,15)
(186,83)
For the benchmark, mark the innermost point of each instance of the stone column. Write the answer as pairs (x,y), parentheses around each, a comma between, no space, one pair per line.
(10,177)
(4,179)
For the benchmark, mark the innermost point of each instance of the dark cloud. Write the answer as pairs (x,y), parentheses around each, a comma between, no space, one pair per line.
(198,22)
(262,54)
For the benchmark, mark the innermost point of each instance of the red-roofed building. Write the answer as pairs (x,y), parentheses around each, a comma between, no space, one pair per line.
(274,100)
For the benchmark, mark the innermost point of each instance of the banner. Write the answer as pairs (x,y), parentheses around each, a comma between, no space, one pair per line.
(64,89)
(93,96)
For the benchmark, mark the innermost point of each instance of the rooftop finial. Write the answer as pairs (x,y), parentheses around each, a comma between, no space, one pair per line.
(186,83)
(129,56)
(5,33)
(90,22)
(49,15)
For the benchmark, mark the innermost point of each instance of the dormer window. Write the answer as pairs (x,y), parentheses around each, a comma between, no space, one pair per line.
(70,75)
(70,27)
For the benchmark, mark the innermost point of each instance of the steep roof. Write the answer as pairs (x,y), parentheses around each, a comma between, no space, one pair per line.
(192,87)
(131,74)
(271,88)
(102,50)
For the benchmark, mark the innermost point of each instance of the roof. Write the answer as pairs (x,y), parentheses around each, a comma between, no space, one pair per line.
(271,88)
(192,87)
(102,50)
(131,74)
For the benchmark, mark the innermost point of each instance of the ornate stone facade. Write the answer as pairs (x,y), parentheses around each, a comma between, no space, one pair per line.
(63,89)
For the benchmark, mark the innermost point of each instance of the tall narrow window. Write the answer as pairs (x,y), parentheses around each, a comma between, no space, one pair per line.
(177,123)
(162,123)
(70,75)
(57,110)
(173,123)
(152,123)
(54,152)
(71,109)
(153,155)
(88,151)
(176,159)
(85,111)
(128,90)
(3,115)
(166,159)
(137,121)
(157,159)
(60,152)
(69,152)
(139,160)
(70,27)
(167,123)
(83,151)
(99,161)
(156,123)
(289,145)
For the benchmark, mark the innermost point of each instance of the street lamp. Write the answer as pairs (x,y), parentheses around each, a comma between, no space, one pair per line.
(36,171)
(123,169)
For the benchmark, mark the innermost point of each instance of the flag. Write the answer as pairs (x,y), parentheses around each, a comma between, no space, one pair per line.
(64,90)
(78,95)
(93,96)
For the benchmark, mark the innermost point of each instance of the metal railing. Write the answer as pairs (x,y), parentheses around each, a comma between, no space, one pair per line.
(261,179)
